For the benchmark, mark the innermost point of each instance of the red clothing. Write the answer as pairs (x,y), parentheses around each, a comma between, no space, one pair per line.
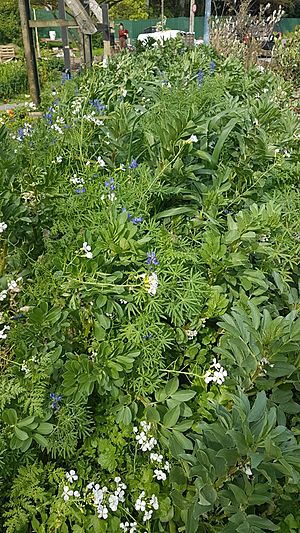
(123,33)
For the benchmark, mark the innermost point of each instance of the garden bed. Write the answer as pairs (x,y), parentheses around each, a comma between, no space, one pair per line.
(150,322)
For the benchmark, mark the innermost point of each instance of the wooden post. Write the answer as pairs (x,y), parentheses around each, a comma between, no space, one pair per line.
(106,31)
(29,49)
(87,40)
(64,35)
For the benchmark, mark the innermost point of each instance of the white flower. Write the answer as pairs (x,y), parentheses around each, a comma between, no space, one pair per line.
(156,457)
(147,515)
(3,295)
(67,493)
(217,374)
(154,502)
(13,286)
(124,93)
(248,471)
(24,368)
(3,227)
(167,466)
(87,163)
(193,139)
(124,526)
(113,502)
(102,512)
(191,334)
(3,335)
(140,504)
(77,494)
(77,181)
(90,486)
(59,159)
(160,475)
(101,162)
(87,249)
(133,527)
(153,280)
(71,476)
(111,196)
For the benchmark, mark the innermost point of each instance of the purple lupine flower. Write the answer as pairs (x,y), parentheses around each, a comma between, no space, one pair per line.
(97,105)
(200,77)
(49,117)
(151,259)
(20,134)
(133,164)
(56,399)
(110,183)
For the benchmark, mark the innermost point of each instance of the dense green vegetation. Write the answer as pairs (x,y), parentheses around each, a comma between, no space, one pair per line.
(150,302)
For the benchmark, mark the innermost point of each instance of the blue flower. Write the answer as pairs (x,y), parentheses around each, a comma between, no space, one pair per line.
(151,259)
(137,220)
(111,184)
(212,66)
(97,105)
(200,77)
(49,117)
(133,164)
(80,191)
(20,134)
(56,399)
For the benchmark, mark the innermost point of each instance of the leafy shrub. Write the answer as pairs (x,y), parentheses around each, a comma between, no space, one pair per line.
(13,79)
(286,56)
(150,281)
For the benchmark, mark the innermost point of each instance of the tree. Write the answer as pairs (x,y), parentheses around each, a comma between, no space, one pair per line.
(128,9)
(10,28)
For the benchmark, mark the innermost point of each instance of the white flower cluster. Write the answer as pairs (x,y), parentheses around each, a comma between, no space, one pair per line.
(92,118)
(110,195)
(153,280)
(217,373)
(102,500)
(87,250)
(31,105)
(3,226)
(3,335)
(128,527)
(76,106)
(77,181)
(56,126)
(160,474)
(151,283)
(145,507)
(13,285)
(68,492)
(58,159)
(24,368)
(143,438)
(191,334)
(3,295)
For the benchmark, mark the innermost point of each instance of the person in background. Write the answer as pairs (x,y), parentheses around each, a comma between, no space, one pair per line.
(123,35)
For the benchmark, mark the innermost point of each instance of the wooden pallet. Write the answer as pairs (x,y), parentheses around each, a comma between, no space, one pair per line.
(7,53)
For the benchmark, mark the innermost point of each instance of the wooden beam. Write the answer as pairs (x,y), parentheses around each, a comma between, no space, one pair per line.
(29,49)
(53,23)
(64,36)
(82,18)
